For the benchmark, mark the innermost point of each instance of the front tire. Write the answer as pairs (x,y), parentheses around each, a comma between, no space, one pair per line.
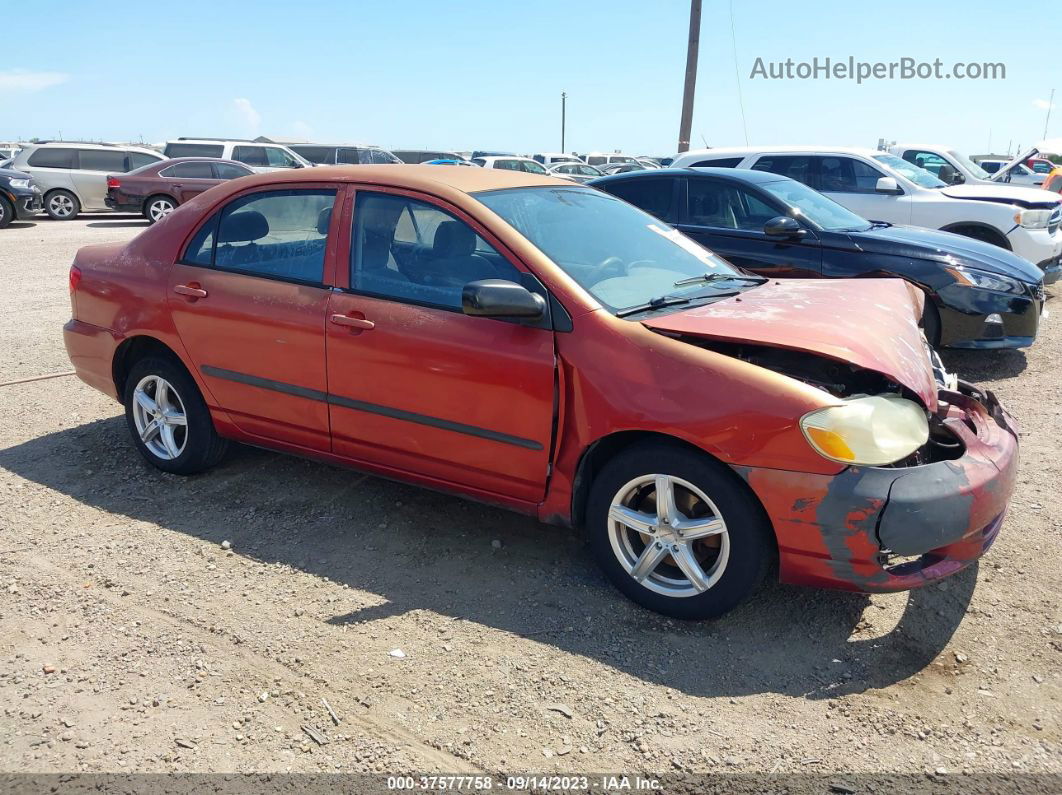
(168,419)
(696,553)
(158,207)
(62,205)
(7,212)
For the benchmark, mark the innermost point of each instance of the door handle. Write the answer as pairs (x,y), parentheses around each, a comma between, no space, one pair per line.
(190,291)
(353,322)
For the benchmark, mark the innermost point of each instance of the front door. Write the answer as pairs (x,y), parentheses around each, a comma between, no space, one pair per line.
(729,220)
(419,387)
(248,298)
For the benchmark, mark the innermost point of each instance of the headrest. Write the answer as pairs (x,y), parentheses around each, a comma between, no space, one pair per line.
(454,239)
(324,218)
(243,227)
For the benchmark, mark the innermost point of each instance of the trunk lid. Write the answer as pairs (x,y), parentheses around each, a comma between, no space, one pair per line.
(870,323)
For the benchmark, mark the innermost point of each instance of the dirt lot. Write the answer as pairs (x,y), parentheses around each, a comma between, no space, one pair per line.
(132,638)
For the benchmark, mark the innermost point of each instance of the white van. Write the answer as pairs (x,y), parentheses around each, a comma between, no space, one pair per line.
(73,175)
(260,157)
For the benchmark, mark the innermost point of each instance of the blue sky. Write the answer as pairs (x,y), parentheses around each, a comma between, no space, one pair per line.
(479,74)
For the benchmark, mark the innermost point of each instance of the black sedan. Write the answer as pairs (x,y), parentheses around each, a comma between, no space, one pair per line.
(19,197)
(978,295)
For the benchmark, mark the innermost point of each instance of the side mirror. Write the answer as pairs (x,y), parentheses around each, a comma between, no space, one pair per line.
(887,185)
(501,298)
(784,226)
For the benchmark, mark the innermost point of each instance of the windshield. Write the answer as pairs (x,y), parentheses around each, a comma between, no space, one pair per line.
(619,254)
(821,211)
(969,165)
(919,176)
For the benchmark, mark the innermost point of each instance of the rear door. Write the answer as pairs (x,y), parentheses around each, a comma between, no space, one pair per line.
(729,219)
(248,298)
(416,385)
(90,175)
(189,179)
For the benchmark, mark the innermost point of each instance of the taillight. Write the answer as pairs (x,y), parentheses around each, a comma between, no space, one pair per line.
(75,278)
(113,182)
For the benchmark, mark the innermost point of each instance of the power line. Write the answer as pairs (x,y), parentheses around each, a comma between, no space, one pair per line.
(737,75)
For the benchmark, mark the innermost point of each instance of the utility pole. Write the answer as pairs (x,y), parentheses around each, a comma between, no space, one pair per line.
(564,99)
(1050,102)
(691,76)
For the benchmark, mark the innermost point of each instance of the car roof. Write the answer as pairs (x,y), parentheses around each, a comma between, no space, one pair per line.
(346,143)
(743,175)
(755,150)
(91,145)
(421,177)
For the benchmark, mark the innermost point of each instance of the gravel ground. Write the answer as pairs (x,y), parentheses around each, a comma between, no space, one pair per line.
(452,637)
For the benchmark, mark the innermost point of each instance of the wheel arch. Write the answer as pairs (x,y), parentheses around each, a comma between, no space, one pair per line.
(991,233)
(132,350)
(599,452)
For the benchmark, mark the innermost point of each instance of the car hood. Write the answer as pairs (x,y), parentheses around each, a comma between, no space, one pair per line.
(1048,145)
(945,248)
(1008,194)
(869,323)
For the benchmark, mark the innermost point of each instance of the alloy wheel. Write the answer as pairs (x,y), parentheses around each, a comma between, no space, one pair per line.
(160,208)
(61,205)
(160,418)
(668,535)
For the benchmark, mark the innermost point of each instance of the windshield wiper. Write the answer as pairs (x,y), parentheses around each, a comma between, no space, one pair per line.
(653,303)
(722,277)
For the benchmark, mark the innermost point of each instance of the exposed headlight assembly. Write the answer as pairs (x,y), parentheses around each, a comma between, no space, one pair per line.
(1032,219)
(867,430)
(19,183)
(985,280)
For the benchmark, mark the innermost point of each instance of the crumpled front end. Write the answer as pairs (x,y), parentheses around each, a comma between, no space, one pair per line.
(879,529)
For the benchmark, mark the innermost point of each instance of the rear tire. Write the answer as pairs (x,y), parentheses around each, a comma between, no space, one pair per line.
(158,207)
(7,212)
(168,418)
(714,549)
(62,205)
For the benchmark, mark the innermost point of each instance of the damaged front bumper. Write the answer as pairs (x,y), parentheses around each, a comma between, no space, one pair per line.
(879,529)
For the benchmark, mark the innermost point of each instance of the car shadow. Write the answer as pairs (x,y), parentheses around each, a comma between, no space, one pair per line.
(422,550)
(20,225)
(978,366)
(117,224)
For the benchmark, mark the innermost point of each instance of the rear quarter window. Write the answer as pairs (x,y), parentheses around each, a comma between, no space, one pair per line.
(194,150)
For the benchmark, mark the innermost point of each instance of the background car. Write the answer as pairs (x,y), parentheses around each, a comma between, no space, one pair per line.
(954,168)
(978,295)
(604,158)
(511,163)
(1018,174)
(621,167)
(20,198)
(577,172)
(449,162)
(1040,165)
(648,162)
(552,158)
(884,187)
(1053,180)
(343,154)
(72,176)
(261,157)
(158,189)
(415,156)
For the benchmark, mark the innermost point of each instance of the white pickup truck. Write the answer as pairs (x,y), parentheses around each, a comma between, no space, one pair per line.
(955,168)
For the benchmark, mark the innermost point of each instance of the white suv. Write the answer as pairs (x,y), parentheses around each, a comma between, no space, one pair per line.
(883,187)
(73,176)
(260,157)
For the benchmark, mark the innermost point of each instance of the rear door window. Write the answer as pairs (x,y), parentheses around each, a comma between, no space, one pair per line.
(321,155)
(102,160)
(655,196)
(194,150)
(230,171)
(52,158)
(798,167)
(274,234)
(189,171)
(251,155)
